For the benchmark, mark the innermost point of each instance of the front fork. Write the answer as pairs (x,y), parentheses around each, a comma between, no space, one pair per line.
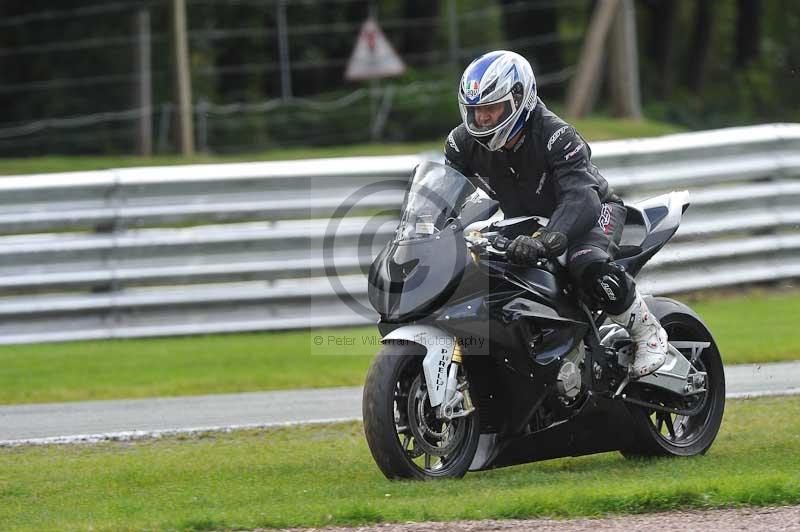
(457,401)
(445,378)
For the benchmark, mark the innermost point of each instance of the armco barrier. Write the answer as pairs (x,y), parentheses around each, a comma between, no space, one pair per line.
(242,247)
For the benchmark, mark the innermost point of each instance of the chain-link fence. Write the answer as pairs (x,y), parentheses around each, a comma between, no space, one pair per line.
(265,73)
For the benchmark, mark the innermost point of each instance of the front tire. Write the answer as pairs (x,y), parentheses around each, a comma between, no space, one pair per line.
(395,398)
(664,434)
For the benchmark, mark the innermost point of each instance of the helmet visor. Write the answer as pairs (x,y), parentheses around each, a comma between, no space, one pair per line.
(489,117)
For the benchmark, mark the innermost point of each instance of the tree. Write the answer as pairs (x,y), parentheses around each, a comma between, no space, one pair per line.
(700,45)
(748,32)
(661,49)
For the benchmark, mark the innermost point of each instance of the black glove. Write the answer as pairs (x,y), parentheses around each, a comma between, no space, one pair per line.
(526,250)
(554,242)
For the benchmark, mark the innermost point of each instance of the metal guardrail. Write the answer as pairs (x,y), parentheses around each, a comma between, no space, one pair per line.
(239,247)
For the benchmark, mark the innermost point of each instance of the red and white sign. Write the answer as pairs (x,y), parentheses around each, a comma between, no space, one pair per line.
(373,57)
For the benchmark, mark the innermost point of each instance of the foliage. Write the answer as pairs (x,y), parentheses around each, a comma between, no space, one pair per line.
(53,67)
(765,89)
(592,128)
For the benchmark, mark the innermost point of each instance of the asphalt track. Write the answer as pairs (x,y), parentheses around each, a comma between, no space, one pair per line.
(142,418)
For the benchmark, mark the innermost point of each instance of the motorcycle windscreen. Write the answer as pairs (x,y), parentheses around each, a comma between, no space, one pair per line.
(427,256)
(435,197)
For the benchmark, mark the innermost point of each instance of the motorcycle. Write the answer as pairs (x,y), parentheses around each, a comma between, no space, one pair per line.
(488,364)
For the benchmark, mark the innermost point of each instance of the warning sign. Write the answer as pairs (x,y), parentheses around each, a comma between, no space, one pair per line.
(373,57)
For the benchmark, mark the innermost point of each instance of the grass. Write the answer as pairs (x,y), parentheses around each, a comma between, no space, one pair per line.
(176,366)
(595,128)
(313,476)
(758,327)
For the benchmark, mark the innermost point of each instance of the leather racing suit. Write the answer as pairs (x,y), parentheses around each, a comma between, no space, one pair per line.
(549,173)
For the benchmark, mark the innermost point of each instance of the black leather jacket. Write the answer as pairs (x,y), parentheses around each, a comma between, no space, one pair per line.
(548,173)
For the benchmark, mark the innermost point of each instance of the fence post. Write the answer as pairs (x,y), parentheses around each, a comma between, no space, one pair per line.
(183,79)
(163,127)
(143,87)
(455,52)
(283,46)
(202,125)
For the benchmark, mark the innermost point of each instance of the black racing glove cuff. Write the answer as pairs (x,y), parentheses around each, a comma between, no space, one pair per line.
(554,242)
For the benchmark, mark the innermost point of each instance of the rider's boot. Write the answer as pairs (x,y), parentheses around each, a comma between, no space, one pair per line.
(648,335)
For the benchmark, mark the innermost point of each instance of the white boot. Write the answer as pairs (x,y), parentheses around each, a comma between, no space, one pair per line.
(647,333)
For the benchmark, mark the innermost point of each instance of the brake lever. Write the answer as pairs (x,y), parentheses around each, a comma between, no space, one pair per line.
(476,240)
(482,243)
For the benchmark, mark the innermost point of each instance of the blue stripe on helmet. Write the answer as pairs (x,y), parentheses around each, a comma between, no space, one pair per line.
(478,69)
(519,125)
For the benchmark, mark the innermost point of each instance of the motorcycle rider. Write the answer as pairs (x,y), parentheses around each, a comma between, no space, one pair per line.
(524,156)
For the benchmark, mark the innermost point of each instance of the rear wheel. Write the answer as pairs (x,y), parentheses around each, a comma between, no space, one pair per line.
(662,433)
(404,435)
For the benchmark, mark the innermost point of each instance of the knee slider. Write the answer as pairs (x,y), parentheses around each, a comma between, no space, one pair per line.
(612,288)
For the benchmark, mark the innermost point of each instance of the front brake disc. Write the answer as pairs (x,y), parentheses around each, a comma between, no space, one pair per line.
(434,442)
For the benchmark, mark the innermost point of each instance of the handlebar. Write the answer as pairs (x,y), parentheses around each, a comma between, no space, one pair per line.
(490,243)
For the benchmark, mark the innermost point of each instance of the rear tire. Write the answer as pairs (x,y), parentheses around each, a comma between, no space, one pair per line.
(664,434)
(396,371)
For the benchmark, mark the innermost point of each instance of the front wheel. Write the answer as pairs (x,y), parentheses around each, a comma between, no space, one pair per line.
(405,437)
(661,433)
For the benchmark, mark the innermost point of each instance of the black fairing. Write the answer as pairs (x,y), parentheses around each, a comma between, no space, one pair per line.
(633,265)
(410,278)
(554,335)
(525,329)
(599,425)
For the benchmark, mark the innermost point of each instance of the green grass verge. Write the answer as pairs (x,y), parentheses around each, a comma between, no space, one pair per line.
(595,128)
(755,328)
(758,327)
(314,476)
(176,366)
